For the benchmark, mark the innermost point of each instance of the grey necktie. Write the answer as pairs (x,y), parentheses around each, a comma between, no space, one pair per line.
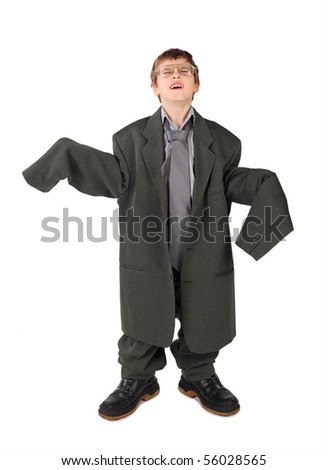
(179,190)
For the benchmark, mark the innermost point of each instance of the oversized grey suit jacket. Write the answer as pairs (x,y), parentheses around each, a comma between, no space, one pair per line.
(133,176)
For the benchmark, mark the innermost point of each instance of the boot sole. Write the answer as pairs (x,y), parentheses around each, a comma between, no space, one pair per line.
(192,394)
(145,397)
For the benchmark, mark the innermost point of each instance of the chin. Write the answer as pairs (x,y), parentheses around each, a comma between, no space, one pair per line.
(181,98)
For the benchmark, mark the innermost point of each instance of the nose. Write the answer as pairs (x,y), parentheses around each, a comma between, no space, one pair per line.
(176,72)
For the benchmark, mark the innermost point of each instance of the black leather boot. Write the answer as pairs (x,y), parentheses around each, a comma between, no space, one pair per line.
(212,395)
(126,397)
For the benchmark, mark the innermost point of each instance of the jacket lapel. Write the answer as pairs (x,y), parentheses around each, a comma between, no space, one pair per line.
(153,155)
(204,160)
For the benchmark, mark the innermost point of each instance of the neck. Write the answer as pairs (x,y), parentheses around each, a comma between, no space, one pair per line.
(177,112)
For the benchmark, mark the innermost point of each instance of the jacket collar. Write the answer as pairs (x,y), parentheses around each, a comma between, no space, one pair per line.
(154,125)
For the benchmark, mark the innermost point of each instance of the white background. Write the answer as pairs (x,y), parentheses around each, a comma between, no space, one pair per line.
(80,69)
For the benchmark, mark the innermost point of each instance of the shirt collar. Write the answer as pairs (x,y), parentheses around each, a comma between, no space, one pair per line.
(175,126)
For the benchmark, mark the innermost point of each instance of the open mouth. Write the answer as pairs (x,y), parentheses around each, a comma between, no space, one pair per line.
(176,86)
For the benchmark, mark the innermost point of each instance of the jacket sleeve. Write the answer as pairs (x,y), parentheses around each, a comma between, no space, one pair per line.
(268,220)
(87,169)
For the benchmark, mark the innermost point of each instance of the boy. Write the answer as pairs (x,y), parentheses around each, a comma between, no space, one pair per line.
(175,175)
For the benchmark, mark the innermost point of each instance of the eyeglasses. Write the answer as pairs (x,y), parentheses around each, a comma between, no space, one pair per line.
(183,69)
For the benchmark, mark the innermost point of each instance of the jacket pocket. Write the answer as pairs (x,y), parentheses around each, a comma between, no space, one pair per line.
(224,272)
(132,266)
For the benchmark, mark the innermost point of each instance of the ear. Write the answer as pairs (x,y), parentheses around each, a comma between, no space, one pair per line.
(196,87)
(155,90)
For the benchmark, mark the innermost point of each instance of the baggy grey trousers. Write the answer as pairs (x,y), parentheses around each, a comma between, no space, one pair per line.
(141,360)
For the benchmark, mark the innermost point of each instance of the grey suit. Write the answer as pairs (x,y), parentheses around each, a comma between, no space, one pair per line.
(133,175)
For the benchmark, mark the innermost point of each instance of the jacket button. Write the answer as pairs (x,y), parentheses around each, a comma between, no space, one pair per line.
(255,239)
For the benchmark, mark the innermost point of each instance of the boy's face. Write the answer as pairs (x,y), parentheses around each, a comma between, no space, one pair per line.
(177,86)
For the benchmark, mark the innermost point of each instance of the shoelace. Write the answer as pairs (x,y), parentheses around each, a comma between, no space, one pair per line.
(125,391)
(211,382)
